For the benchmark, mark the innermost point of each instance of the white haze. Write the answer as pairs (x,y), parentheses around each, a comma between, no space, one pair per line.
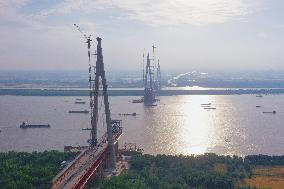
(189,34)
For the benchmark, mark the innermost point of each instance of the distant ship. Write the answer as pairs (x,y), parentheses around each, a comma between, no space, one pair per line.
(138,100)
(80,102)
(79,111)
(128,114)
(208,104)
(209,108)
(25,125)
(273,112)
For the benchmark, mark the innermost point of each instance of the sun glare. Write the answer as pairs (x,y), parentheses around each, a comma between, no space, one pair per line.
(195,126)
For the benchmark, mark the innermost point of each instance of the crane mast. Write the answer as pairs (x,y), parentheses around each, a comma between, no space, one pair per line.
(159,76)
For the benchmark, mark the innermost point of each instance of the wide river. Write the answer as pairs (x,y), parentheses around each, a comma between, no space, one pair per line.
(178,125)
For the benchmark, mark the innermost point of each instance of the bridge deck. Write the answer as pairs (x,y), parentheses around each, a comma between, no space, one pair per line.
(69,166)
(81,166)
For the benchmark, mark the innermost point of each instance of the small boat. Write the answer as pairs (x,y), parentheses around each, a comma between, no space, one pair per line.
(258,106)
(210,108)
(125,114)
(259,96)
(80,102)
(138,101)
(208,104)
(273,112)
(25,125)
(79,111)
(78,99)
(87,129)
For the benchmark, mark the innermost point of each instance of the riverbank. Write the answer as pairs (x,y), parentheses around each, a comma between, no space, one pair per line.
(137,92)
(202,171)
(36,170)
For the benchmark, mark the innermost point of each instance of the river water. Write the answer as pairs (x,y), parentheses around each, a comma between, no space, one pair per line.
(178,125)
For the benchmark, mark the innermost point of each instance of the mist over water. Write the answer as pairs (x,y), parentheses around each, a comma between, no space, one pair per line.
(178,125)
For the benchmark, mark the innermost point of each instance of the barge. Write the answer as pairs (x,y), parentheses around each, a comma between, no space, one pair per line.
(25,125)
(79,111)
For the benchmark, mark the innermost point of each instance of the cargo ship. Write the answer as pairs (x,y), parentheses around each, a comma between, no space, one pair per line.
(80,102)
(128,114)
(138,100)
(273,112)
(25,125)
(79,111)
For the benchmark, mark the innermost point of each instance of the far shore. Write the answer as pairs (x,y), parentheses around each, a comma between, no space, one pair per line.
(138,92)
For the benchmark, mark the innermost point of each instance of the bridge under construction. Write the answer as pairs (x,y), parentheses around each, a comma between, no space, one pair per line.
(102,153)
(152,81)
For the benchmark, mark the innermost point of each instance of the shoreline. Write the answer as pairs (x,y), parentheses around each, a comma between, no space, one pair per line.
(138,92)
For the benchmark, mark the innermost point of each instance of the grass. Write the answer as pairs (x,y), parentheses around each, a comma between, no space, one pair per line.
(264,177)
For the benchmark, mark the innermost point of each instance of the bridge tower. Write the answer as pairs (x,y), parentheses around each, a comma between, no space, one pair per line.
(149,93)
(94,94)
(101,152)
(159,77)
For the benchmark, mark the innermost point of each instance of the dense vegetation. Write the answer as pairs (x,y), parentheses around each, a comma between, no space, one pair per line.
(21,170)
(264,160)
(177,172)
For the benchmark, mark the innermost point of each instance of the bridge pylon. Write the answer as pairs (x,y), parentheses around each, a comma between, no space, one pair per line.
(94,94)
(103,152)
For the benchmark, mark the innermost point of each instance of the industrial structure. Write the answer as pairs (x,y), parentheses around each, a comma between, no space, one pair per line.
(159,77)
(149,92)
(94,94)
(152,82)
(101,153)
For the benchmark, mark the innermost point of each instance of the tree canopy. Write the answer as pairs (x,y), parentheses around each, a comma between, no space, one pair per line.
(22,170)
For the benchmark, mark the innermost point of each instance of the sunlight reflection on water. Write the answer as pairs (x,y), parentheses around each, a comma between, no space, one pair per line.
(178,125)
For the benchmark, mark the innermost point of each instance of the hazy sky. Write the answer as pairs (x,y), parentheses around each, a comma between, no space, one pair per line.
(189,34)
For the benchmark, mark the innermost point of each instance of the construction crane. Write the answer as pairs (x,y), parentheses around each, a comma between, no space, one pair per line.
(101,153)
(99,72)
(159,77)
(88,38)
(154,62)
(153,47)
(93,99)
